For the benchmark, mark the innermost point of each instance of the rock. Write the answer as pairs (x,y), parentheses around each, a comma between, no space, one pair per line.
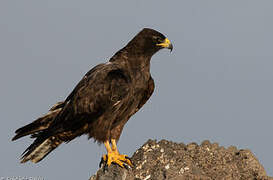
(177,161)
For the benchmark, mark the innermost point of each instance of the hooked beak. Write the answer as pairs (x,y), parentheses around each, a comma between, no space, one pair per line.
(166,44)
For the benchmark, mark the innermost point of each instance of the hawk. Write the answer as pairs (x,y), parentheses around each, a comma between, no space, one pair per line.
(101,103)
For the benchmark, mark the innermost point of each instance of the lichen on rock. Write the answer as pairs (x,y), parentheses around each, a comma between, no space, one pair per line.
(177,161)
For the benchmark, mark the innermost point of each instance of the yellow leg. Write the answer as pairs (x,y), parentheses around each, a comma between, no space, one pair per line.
(108,147)
(114,145)
(113,155)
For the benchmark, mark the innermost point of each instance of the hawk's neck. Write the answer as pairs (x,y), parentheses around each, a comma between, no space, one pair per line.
(134,61)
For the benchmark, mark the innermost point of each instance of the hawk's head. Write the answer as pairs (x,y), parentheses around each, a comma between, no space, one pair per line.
(149,41)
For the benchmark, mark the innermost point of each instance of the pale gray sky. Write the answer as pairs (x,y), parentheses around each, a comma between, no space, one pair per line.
(217,83)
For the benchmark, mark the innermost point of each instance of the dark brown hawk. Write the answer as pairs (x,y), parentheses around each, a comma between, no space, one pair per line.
(102,102)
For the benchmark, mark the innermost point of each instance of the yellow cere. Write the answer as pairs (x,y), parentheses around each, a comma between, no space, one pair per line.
(165,44)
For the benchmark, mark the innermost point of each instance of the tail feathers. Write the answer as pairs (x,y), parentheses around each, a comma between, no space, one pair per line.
(40,124)
(39,149)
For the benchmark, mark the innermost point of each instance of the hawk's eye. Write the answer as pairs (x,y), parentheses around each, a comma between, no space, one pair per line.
(157,39)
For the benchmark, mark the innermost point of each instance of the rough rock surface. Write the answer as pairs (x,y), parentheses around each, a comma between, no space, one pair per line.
(177,161)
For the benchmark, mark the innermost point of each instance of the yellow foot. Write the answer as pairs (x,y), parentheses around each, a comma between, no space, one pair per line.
(116,158)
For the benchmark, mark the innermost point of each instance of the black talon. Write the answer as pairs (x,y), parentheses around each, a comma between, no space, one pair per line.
(115,163)
(105,168)
(126,157)
(126,166)
(130,160)
(101,162)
